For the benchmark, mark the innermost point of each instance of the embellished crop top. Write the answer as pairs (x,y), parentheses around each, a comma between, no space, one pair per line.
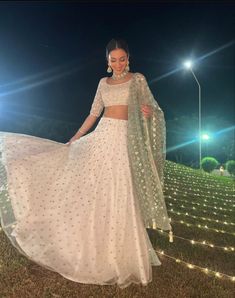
(109,95)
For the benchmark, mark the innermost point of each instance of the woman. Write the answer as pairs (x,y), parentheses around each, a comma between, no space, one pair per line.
(82,208)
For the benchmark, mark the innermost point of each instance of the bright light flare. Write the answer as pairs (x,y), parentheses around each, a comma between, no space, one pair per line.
(188,64)
(205,136)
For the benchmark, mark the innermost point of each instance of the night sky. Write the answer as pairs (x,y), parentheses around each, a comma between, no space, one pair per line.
(52,55)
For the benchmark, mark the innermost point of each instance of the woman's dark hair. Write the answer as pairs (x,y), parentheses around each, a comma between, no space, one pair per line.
(116,44)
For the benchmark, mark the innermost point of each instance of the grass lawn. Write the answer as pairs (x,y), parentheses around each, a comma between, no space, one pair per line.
(201,207)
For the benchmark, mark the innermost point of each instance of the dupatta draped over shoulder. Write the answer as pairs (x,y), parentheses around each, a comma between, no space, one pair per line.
(146,141)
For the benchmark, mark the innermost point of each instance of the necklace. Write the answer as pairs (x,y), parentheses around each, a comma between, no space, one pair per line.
(118,77)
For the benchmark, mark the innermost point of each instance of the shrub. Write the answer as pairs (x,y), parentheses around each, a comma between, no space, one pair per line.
(209,164)
(230,167)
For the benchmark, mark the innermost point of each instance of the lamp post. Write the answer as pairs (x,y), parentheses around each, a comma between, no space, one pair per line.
(188,65)
(206,137)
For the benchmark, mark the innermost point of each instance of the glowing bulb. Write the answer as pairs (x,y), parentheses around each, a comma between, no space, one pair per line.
(177,260)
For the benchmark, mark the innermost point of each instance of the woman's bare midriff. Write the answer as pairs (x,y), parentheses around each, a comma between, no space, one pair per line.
(117,112)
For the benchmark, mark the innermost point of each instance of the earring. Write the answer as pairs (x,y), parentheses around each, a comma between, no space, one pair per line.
(109,69)
(127,68)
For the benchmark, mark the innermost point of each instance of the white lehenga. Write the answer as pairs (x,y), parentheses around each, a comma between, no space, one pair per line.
(73,209)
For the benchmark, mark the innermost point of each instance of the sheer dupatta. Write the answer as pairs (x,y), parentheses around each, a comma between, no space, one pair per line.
(147,153)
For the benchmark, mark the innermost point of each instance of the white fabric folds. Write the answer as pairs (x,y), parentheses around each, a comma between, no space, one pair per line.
(74,210)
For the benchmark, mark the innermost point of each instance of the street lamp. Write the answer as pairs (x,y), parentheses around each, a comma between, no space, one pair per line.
(205,136)
(188,65)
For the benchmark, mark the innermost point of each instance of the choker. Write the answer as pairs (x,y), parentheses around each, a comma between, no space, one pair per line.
(118,77)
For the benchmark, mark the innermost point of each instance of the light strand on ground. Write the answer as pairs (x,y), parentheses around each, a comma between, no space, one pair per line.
(173,185)
(198,176)
(194,208)
(204,242)
(203,227)
(189,201)
(203,218)
(199,193)
(180,180)
(186,176)
(214,207)
(203,269)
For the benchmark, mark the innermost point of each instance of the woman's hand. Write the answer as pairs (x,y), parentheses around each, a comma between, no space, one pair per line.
(73,139)
(146,110)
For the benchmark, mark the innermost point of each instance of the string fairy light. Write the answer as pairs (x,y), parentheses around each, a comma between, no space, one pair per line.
(179,183)
(203,218)
(202,227)
(187,201)
(203,269)
(183,168)
(197,193)
(184,184)
(194,208)
(193,203)
(181,180)
(186,193)
(204,211)
(178,186)
(197,176)
(204,242)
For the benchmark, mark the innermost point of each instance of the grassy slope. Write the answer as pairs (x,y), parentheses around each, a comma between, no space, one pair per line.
(183,186)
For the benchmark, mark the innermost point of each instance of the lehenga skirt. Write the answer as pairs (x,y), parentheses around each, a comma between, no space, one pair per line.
(73,209)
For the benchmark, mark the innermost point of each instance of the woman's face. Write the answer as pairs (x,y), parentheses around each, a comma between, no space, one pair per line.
(117,60)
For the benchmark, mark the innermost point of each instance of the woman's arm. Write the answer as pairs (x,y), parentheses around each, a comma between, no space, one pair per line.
(95,111)
(87,125)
